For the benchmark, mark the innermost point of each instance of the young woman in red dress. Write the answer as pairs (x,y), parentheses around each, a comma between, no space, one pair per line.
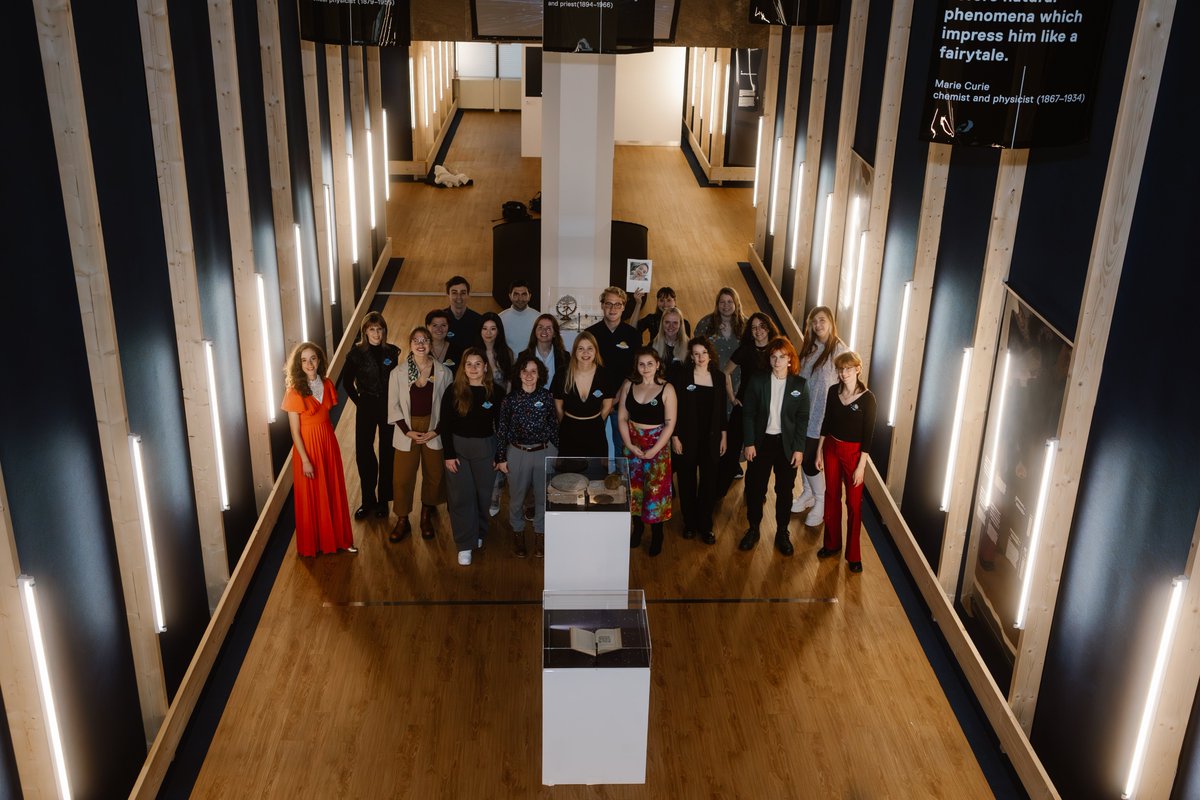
(322,511)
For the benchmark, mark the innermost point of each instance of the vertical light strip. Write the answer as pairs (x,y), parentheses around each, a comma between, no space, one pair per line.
(442,74)
(1035,532)
(712,100)
(956,430)
(852,226)
(222,481)
(34,624)
(899,354)
(824,248)
(371,175)
(774,187)
(695,77)
(387,177)
(858,282)
(143,500)
(434,78)
(268,372)
(412,95)
(1154,692)
(797,201)
(996,434)
(700,79)
(329,244)
(353,211)
(757,157)
(725,102)
(425,89)
(300,284)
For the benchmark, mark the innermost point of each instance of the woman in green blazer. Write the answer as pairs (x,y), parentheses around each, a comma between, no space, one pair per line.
(774,423)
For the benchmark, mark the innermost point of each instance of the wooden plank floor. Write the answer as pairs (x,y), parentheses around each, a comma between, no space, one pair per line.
(397,673)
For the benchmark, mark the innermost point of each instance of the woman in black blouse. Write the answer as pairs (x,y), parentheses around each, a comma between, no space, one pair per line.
(468,431)
(365,378)
(842,454)
(526,435)
(583,398)
(700,436)
(751,357)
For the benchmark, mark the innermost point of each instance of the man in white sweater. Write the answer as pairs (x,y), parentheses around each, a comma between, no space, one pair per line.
(518,318)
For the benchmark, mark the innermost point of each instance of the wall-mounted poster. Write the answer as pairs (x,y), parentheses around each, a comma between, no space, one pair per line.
(380,23)
(795,12)
(1028,387)
(1014,74)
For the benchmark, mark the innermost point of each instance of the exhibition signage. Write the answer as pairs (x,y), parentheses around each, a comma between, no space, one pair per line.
(355,22)
(598,26)
(795,12)
(1014,73)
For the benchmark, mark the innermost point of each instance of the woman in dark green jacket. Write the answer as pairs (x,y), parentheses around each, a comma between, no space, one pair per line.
(774,423)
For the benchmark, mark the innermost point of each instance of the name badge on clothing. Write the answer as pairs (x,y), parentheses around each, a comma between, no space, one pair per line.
(597,393)
(795,392)
(487,404)
(622,346)
(691,387)
(538,404)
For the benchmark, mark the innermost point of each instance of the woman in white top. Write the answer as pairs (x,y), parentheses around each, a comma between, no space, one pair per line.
(415,389)
(821,346)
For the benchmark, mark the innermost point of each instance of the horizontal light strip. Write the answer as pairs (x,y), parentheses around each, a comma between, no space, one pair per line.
(222,482)
(955,431)
(36,643)
(899,354)
(139,474)
(268,372)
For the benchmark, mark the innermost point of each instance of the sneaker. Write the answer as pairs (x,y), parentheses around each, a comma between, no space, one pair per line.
(529,514)
(494,508)
(737,476)
(479,543)
(352,550)
(464,558)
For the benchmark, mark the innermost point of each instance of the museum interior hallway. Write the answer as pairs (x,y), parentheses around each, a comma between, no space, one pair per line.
(397,673)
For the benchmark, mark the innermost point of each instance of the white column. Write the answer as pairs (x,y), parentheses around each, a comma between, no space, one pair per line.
(578,108)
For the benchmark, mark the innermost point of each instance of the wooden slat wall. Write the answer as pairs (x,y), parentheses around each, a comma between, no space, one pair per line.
(64,89)
(1134,119)
(312,114)
(375,107)
(766,144)
(1005,210)
(339,147)
(358,147)
(783,152)
(241,240)
(812,155)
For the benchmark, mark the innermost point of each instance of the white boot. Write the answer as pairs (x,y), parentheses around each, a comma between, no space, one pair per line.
(805,500)
(817,514)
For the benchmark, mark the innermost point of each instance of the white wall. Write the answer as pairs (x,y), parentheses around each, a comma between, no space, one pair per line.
(650,97)
(649,104)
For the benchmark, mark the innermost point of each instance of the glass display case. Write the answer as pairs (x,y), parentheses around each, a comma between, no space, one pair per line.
(595,630)
(587,484)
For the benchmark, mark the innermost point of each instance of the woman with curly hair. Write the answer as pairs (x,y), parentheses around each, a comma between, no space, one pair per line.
(546,344)
(322,511)
(468,431)
(646,419)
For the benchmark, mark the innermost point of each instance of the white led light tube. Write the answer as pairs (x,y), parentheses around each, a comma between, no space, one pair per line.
(222,482)
(268,373)
(956,430)
(757,157)
(1035,532)
(329,233)
(700,78)
(300,283)
(387,183)
(1154,693)
(143,500)
(33,622)
(725,102)
(899,354)
(996,434)
(774,186)
(371,176)
(797,201)
(824,248)
(858,282)
(412,95)
(353,211)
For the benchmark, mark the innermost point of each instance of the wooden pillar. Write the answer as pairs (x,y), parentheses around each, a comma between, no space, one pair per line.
(766,144)
(1006,208)
(312,115)
(884,165)
(241,241)
(801,260)
(281,177)
(64,90)
(781,162)
(933,200)
(185,292)
(1135,117)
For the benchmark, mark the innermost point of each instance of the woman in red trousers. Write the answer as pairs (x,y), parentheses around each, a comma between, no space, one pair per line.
(842,454)
(322,511)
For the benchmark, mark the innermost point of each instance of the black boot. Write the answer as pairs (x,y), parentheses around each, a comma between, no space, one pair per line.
(635,533)
(656,538)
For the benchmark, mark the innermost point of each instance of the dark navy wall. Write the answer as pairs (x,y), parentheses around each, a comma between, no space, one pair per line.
(956,283)
(393,81)
(50,449)
(870,96)
(776,132)
(1139,493)
(1062,196)
(904,217)
(825,171)
(192,47)
(258,176)
(118,115)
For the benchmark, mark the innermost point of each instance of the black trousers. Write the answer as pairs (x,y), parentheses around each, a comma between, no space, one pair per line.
(770,457)
(696,471)
(730,463)
(374,473)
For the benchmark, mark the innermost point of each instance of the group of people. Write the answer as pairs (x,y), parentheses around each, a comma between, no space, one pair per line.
(473,416)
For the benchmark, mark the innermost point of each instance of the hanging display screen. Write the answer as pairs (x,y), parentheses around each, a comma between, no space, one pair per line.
(380,23)
(598,26)
(1015,74)
(795,12)
(521,20)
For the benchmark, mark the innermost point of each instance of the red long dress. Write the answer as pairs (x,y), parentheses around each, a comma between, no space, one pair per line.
(322,511)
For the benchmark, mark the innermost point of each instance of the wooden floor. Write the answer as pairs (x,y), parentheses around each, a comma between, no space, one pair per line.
(397,673)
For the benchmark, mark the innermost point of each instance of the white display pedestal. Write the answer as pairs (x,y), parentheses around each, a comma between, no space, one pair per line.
(588,550)
(595,709)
